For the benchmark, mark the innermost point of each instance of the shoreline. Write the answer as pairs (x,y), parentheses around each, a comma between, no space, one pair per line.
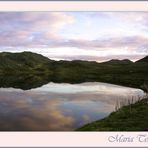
(131,117)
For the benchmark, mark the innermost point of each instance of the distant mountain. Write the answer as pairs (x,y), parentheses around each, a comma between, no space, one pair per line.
(116,61)
(145,59)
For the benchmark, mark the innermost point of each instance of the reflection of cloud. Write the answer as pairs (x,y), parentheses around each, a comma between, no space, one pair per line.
(56,111)
(19,113)
(56,120)
(86,119)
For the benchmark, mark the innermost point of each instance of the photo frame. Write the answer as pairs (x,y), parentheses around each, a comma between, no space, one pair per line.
(73,139)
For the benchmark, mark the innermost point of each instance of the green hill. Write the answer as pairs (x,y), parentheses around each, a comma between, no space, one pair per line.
(145,59)
(24,70)
(116,61)
(29,68)
(25,61)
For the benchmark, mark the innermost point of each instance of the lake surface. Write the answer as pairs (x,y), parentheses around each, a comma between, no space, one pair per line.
(60,107)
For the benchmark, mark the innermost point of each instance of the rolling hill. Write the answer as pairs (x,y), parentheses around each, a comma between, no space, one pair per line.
(32,68)
(116,61)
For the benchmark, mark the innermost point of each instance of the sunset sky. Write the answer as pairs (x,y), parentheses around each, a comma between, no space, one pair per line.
(93,36)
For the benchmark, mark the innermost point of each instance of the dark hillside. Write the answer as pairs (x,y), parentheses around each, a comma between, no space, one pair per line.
(145,59)
(28,66)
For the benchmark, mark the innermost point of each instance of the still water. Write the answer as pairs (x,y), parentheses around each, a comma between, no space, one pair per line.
(59,106)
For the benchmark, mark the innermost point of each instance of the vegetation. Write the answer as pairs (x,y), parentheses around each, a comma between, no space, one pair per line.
(32,70)
(133,117)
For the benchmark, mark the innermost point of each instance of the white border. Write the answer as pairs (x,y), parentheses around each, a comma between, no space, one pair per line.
(67,139)
(74,6)
(73,139)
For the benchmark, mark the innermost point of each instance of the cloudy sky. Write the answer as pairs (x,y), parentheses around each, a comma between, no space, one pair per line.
(93,36)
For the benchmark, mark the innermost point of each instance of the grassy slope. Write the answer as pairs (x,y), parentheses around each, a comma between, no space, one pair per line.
(27,62)
(129,118)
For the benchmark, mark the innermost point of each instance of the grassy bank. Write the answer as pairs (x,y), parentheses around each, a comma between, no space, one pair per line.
(133,117)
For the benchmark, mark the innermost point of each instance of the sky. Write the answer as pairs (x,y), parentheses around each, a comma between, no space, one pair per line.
(91,36)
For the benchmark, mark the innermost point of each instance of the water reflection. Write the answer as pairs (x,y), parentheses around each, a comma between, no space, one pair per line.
(59,107)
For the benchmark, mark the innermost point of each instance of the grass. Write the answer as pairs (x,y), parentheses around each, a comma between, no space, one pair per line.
(132,117)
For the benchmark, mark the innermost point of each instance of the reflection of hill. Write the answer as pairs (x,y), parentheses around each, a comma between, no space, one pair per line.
(24,82)
(29,70)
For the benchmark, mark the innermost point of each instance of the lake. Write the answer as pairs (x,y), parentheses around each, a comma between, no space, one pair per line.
(60,106)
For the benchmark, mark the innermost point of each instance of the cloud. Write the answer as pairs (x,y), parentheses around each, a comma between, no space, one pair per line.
(122,42)
(37,31)
(132,17)
(100,58)
(34,21)
(31,28)
(41,30)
